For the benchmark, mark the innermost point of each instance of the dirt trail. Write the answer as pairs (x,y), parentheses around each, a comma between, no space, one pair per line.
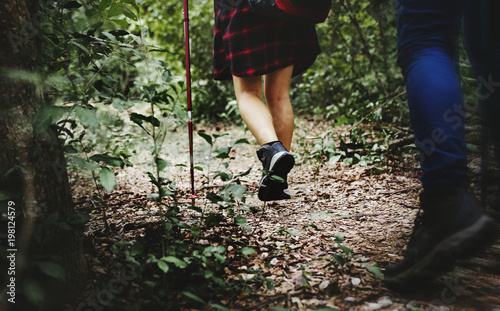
(296,239)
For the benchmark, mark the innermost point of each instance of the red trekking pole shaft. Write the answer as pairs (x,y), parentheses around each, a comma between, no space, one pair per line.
(189,104)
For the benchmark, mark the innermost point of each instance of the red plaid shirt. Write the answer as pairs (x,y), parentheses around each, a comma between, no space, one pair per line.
(247,44)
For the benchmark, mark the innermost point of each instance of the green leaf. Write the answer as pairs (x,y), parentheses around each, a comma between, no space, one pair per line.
(213,249)
(46,117)
(237,190)
(33,292)
(375,271)
(88,118)
(220,258)
(334,159)
(339,260)
(136,249)
(223,175)
(4,196)
(78,219)
(208,274)
(84,164)
(111,37)
(91,13)
(206,137)
(129,14)
(194,297)
(163,266)
(246,251)
(52,269)
(196,230)
(346,249)
(139,118)
(104,4)
(70,149)
(276,178)
(132,3)
(214,219)
(161,164)
(214,198)
(240,220)
(108,159)
(223,152)
(165,192)
(167,76)
(341,120)
(176,261)
(108,179)
(122,105)
(220,135)
(339,237)
(115,10)
(247,228)
(219,307)
(244,173)
(122,23)
(293,232)
(81,47)
(242,141)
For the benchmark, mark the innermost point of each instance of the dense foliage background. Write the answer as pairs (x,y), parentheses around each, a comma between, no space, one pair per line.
(100,48)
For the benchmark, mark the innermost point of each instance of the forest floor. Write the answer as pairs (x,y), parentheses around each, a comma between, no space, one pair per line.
(335,209)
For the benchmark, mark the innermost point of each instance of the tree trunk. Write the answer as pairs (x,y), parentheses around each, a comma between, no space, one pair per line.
(33,178)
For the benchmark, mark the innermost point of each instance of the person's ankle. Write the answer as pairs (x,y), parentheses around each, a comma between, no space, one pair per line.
(270,143)
(443,190)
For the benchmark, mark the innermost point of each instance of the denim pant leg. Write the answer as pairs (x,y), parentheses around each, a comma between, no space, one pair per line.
(427,40)
(483,48)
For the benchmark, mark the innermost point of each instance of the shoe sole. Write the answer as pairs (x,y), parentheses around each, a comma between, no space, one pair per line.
(442,256)
(272,190)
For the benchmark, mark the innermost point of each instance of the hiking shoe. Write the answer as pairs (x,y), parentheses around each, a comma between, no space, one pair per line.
(452,225)
(276,162)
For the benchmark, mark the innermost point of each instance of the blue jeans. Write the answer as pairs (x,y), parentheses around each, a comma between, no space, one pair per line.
(428,31)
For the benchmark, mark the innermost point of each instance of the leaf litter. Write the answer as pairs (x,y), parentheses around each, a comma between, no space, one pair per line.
(324,249)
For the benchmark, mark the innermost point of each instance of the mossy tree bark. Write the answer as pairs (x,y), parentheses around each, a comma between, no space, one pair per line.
(33,175)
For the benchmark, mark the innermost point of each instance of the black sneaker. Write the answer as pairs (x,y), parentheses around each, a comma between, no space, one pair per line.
(276,162)
(452,226)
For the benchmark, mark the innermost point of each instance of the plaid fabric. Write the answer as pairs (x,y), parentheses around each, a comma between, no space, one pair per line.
(247,44)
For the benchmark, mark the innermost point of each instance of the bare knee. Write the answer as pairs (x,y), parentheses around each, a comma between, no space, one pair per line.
(277,87)
(246,88)
(277,97)
(244,95)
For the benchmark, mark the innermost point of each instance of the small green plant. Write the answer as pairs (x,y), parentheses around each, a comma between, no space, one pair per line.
(342,257)
(221,154)
(99,165)
(359,145)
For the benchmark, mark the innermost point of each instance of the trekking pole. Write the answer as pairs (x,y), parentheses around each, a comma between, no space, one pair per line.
(189,104)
